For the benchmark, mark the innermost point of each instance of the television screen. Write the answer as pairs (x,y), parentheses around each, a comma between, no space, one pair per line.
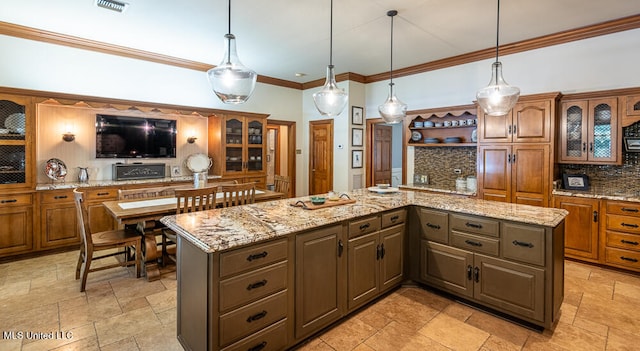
(132,137)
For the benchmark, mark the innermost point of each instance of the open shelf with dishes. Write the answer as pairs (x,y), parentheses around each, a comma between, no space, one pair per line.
(453,126)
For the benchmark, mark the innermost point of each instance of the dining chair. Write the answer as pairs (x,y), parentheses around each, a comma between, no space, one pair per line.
(237,194)
(108,240)
(148,226)
(281,184)
(187,200)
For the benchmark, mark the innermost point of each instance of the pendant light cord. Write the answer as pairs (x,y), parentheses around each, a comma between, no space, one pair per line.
(391,54)
(331,35)
(498,31)
(229,34)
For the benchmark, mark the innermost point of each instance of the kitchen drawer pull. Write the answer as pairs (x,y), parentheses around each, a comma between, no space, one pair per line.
(378,253)
(584,147)
(394,218)
(257,316)
(340,248)
(476,273)
(8,201)
(60,197)
(257,284)
(382,251)
(522,243)
(474,225)
(364,226)
(629,225)
(102,194)
(258,347)
(626,209)
(630,259)
(433,226)
(595,216)
(473,243)
(629,242)
(591,147)
(469,272)
(252,257)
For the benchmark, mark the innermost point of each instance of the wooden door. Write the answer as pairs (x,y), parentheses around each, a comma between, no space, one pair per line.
(321,157)
(320,279)
(580,226)
(530,180)
(363,269)
(573,132)
(531,122)
(382,144)
(494,172)
(447,268)
(391,263)
(603,130)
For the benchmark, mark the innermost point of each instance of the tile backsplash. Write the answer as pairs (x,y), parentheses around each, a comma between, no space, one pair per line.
(439,162)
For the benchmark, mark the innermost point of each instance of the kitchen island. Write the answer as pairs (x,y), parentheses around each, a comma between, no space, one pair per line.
(269,275)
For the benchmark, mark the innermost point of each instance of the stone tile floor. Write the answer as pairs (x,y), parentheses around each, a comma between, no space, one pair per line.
(40,297)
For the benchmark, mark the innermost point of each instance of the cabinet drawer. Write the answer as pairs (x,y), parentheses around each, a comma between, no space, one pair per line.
(49,197)
(248,319)
(253,285)
(392,218)
(623,208)
(364,226)
(240,260)
(621,257)
(100,194)
(15,200)
(475,243)
(477,225)
(623,223)
(434,225)
(623,241)
(269,339)
(523,243)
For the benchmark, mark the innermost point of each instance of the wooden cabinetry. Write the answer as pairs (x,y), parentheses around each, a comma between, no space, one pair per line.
(58,223)
(320,279)
(589,131)
(17,116)
(514,159)
(375,257)
(581,226)
(237,146)
(436,127)
(508,266)
(16,216)
(620,244)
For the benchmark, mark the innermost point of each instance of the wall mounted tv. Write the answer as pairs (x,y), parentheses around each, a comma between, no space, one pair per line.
(135,137)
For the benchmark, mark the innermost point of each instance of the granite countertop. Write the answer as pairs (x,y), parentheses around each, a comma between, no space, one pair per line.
(109,182)
(602,192)
(222,229)
(429,187)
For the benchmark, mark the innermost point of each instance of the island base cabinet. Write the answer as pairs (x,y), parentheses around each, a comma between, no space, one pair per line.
(446,267)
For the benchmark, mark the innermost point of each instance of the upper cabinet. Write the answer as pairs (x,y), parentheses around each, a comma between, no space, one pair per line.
(447,126)
(527,122)
(16,142)
(589,131)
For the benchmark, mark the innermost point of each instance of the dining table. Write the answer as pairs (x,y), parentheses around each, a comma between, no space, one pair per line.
(134,212)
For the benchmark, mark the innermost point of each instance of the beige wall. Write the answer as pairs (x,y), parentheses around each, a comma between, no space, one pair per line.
(53,120)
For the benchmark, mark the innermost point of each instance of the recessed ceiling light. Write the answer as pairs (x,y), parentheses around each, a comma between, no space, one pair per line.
(113,5)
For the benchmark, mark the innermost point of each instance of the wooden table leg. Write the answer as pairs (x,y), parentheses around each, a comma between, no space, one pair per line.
(151,256)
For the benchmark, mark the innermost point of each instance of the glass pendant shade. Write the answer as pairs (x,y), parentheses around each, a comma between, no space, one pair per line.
(498,98)
(331,100)
(393,110)
(231,81)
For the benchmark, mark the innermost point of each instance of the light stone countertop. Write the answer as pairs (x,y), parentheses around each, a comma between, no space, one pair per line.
(598,193)
(108,182)
(428,187)
(222,229)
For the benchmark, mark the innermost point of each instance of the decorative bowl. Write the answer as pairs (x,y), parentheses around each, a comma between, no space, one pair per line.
(317,200)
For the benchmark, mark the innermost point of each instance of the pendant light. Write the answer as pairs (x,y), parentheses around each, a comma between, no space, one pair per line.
(232,82)
(393,110)
(498,98)
(331,100)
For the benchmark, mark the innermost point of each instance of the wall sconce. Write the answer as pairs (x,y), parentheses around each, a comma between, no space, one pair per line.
(191,139)
(68,137)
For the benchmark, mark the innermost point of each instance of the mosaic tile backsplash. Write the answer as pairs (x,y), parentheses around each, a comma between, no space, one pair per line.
(439,162)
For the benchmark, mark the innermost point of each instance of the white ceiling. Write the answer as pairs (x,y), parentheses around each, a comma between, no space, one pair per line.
(279,38)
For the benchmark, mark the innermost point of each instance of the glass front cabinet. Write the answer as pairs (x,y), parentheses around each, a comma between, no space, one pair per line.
(589,131)
(244,145)
(15,142)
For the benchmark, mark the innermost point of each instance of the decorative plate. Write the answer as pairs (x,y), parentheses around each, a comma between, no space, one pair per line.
(55,169)
(15,122)
(416,136)
(375,189)
(197,163)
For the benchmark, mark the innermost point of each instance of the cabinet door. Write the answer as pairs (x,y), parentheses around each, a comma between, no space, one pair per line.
(494,172)
(580,226)
(494,129)
(320,279)
(16,142)
(16,231)
(58,225)
(234,139)
(509,286)
(364,274)
(573,131)
(392,254)
(530,174)
(447,267)
(603,131)
(531,122)
(255,159)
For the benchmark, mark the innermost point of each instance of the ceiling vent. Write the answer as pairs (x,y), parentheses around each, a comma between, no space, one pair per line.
(114,5)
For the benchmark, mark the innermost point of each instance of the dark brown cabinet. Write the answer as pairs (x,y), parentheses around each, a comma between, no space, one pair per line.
(581,226)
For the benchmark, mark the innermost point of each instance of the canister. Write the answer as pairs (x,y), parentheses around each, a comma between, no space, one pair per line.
(472,183)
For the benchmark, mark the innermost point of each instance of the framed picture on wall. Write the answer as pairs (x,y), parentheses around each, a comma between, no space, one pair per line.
(575,181)
(356,136)
(356,159)
(357,115)
(176,171)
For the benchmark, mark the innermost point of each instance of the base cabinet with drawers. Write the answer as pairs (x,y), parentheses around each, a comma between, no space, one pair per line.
(620,244)
(511,267)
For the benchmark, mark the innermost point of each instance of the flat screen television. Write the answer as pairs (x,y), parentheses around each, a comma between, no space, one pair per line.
(135,137)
